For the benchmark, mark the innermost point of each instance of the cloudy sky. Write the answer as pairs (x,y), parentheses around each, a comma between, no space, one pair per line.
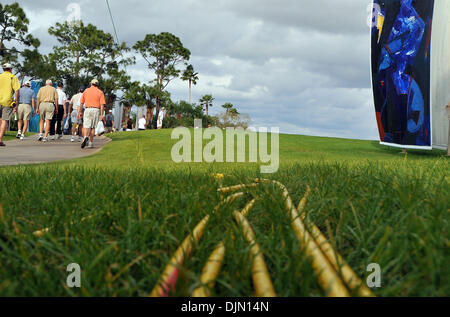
(300,65)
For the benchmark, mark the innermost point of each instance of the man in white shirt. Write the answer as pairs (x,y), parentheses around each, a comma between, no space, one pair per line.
(142,124)
(161,115)
(62,113)
(77,124)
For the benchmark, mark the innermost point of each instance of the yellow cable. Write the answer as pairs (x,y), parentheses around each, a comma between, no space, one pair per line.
(261,278)
(335,259)
(226,190)
(168,279)
(42,232)
(210,272)
(214,264)
(327,276)
(170,275)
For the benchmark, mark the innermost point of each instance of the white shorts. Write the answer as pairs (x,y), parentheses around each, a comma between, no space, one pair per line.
(91,118)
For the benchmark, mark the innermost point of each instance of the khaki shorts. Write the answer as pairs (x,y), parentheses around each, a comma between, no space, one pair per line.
(24,112)
(91,118)
(47,110)
(5,113)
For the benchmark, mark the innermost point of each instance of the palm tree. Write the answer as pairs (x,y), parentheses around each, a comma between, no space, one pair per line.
(191,76)
(228,106)
(234,113)
(150,94)
(207,101)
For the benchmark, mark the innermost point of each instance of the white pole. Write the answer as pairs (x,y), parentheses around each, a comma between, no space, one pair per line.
(440,73)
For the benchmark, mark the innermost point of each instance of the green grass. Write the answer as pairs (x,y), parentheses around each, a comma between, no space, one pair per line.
(153,149)
(373,204)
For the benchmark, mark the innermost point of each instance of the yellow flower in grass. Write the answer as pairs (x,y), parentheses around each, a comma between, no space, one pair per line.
(219,176)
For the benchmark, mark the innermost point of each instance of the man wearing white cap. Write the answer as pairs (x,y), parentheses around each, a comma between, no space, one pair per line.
(94,102)
(25,109)
(8,84)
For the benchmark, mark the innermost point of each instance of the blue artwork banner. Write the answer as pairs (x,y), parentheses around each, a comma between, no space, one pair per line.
(401,42)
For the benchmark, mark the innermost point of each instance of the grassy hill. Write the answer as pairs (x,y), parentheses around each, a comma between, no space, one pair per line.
(153,149)
(373,204)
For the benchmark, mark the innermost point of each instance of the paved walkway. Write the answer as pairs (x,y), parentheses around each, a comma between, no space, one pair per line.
(30,151)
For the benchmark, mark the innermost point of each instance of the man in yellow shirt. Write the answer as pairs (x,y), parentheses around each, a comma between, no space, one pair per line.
(47,107)
(8,84)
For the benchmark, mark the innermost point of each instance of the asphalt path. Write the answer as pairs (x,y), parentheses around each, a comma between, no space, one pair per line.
(31,151)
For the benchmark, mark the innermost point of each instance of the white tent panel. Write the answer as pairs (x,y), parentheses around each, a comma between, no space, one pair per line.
(118,114)
(440,73)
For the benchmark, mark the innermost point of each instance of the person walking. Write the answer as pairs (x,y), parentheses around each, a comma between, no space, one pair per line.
(161,117)
(60,115)
(109,124)
(73,110)
(8,84)
(47,99)
(94,100)
(142,124)
(26,108)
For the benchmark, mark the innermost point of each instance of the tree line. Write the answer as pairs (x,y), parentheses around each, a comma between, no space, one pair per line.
(85,52)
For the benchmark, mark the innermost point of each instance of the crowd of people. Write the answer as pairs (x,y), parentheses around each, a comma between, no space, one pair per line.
(86,109)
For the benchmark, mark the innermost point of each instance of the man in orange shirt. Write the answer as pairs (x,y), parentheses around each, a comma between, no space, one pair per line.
(94,102)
